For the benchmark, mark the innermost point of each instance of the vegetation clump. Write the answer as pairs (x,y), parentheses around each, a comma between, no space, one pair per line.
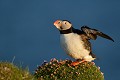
(62,70)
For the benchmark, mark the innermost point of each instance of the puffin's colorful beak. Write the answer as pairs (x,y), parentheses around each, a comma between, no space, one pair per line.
(56,22)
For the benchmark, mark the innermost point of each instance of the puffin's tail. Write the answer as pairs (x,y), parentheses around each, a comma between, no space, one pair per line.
(93,55)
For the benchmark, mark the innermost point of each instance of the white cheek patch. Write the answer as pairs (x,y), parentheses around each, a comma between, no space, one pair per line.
(66,26)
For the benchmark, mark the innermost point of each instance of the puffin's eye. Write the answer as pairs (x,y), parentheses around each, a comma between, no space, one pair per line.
(58,22)
(65,22)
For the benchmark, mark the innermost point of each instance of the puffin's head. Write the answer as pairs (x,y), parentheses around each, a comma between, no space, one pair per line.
(62,24)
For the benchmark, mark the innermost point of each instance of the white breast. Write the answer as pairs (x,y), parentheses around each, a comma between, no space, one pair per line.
(73,46)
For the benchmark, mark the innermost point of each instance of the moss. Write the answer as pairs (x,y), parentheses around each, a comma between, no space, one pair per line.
(8,71)
(62,70)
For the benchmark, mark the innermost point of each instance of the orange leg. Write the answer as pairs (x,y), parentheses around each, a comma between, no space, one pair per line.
(77,62)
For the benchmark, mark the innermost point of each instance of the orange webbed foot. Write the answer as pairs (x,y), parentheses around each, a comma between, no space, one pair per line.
(77,62)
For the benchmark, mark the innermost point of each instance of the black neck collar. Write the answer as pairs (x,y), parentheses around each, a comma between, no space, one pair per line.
(66,31)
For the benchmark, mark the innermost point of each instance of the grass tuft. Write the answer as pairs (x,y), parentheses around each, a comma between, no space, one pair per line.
(8,71)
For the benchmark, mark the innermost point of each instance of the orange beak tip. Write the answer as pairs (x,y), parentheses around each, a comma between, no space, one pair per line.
(56,22)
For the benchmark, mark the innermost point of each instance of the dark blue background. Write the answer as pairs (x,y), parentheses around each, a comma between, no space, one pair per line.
(27,31)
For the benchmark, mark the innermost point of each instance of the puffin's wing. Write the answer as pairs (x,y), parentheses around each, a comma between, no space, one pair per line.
(92,33)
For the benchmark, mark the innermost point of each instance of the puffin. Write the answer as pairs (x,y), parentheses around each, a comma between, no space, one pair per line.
(76,42)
